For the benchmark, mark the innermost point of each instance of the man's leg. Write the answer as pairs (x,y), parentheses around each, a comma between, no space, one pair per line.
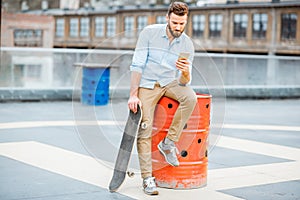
(187,99)
(149,99)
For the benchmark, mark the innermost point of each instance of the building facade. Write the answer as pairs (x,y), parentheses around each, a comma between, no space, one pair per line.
(258,28)
(223,26)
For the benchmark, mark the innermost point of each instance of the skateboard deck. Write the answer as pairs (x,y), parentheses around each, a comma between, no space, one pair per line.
(129,134)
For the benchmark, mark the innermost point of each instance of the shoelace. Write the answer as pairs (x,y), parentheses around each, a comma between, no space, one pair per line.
(174,150)
(150,182)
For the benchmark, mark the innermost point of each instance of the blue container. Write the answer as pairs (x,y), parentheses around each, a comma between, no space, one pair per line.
(95,86)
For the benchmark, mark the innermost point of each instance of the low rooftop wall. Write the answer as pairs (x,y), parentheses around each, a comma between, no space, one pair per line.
(50,74)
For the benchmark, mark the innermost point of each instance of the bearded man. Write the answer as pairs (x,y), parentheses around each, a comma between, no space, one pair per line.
(157,70)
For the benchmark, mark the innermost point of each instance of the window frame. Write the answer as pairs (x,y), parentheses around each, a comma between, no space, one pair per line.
(129,26)
(142,23)
(111,26)
(240,25)
(99,23)
(261,33)
(217,24)
(28,37)
(60,27)
(291,34)
(74,27)
(198,25)
(84,27)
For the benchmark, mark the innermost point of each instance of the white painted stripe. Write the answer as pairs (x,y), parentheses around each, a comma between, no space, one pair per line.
(88,170)
(247,176)
(260,148)
(35,124)
(57,160)
(262,127)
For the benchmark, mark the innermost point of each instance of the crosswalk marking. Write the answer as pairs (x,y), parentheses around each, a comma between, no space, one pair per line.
(260,148)
(89,170)
(35,124)
(237,177)
(262,127)
(57,160)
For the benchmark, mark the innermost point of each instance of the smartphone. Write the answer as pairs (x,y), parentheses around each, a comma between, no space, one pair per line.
(183,55)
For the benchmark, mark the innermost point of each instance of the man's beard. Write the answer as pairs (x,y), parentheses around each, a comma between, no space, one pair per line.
(175,34)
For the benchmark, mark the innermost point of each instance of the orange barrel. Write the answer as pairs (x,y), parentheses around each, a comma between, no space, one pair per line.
(192,146)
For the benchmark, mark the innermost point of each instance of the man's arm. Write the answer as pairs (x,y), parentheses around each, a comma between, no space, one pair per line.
(138,63)
(134,88)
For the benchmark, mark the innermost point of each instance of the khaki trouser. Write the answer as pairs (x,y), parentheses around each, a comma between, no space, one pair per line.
(149,97)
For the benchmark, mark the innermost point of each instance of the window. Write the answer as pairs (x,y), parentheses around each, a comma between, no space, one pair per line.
(111,26)
(259,26)
(129,26)
(60,27)
(142,22)
(240,23)
(28,38)
(215,25)
(161,19)
(288,26)
(74,27)
(99,26)
(198,25)
(84,26)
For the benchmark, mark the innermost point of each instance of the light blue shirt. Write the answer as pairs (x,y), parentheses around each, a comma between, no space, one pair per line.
(155,58)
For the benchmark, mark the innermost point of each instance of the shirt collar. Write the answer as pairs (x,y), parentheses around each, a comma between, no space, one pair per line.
(164,31)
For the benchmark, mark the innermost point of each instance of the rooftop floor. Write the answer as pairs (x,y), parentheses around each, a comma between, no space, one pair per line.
(55,150)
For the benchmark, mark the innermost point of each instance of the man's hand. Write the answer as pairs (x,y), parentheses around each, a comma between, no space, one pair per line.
(183,65)
(134,89)
(133,103)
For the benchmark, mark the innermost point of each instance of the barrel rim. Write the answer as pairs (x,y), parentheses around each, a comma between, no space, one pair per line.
(204,96)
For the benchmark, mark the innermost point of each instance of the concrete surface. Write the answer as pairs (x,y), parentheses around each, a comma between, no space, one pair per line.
(52,150)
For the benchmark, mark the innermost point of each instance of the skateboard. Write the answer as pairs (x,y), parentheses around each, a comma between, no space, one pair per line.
(129,134)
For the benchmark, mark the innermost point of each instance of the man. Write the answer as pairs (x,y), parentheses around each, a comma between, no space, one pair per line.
(157,71)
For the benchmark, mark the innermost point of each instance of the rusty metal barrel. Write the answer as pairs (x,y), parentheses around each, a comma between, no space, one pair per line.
(192,146)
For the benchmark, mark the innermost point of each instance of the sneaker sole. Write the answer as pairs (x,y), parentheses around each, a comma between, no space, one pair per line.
(151,193)
(163,153)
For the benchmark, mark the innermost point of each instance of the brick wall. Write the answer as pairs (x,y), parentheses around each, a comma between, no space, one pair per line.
(11,22)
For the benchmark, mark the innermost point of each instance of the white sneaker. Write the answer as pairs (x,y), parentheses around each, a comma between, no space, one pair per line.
(149,186)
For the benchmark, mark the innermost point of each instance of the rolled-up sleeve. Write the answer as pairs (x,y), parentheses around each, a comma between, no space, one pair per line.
(141,52)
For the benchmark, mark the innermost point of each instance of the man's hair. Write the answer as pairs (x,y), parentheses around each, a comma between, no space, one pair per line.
(178,8)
